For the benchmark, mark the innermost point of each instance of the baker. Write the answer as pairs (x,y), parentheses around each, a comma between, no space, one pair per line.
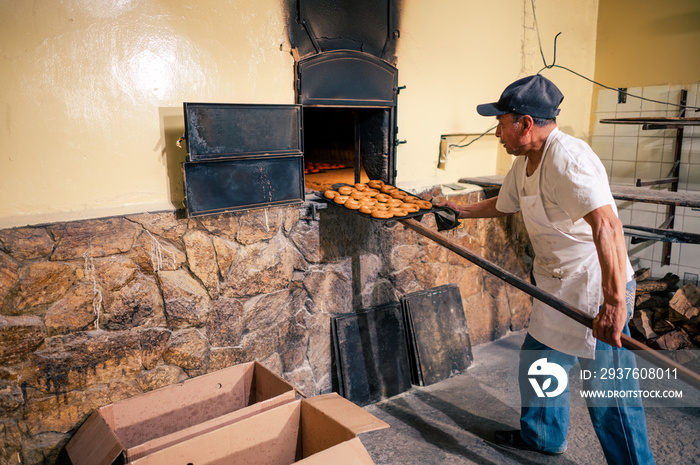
(562,190)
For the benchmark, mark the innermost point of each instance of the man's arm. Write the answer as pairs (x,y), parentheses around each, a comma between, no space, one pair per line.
(484,209)
(612,254)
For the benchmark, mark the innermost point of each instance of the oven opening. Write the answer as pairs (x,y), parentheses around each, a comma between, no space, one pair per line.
(345,145)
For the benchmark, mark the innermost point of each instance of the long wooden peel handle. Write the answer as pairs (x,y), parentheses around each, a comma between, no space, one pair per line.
(650,354)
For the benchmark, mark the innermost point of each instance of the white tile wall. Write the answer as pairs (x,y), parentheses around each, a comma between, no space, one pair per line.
(625,147)
(693,178)
(669,144)
(694,149)
(603,146)
(622,172)
(651,149)
(660,93)
(628,152)
(627,131)
(647,170)
(601,129)
(632,104)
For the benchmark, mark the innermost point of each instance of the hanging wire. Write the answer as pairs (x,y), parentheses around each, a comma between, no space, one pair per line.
(554,65)
(539,40)
(458,146)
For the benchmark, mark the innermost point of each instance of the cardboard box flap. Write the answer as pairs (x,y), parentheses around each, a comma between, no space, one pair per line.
(267,385)
(169,409)
(346,413)
(269,437)
(350,452)
(157,444)
(295,431)
(94,443)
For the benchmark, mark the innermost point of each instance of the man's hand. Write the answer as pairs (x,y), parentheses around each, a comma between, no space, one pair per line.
(612,254)
(484,209)
(452,205)
(608,324)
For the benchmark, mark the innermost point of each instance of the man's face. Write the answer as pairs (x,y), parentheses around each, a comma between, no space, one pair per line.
(510,134)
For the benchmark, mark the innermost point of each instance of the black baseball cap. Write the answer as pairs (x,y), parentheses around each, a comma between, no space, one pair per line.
(535,95)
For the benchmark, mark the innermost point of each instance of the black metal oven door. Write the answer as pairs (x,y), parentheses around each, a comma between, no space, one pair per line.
(243,183)
(242,156)
(223,130)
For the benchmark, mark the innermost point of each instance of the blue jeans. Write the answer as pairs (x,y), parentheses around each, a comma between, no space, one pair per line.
(620,425)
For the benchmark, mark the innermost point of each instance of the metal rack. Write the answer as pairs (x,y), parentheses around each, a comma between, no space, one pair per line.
(665,231)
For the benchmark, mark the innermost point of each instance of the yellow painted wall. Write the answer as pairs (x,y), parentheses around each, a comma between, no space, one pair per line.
(455,55)
(648,42)
(92,90)
(92,94)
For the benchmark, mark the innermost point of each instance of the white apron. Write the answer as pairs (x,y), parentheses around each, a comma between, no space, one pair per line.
(566,266)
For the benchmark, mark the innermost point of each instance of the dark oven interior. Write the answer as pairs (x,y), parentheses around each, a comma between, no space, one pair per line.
(346,145)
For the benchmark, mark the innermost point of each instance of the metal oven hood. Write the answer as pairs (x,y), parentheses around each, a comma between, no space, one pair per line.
(344,51)
(368,26)
(346,78)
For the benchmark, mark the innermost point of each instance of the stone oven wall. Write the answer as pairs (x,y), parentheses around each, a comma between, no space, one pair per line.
(96,311)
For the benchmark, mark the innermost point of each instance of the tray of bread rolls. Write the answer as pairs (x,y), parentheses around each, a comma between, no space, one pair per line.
(377,200)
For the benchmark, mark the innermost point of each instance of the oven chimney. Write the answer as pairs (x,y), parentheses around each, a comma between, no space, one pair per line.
(347,83)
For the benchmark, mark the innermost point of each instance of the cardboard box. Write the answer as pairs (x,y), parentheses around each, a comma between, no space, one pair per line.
(132,428)
(313,431)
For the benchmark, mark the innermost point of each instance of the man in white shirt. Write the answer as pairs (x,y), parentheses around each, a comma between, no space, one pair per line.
(561,188)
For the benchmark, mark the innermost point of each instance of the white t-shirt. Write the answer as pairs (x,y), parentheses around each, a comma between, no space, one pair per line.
(573,183)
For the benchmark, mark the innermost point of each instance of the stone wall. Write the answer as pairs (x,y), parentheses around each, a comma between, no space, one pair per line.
(95,311)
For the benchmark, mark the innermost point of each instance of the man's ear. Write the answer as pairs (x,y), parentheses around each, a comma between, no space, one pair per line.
(528,123)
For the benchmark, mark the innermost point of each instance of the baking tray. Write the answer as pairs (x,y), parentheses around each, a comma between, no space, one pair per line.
(417,214)
(438,338)
(372,359)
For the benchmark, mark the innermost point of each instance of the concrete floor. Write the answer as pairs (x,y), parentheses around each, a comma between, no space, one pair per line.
(452,422)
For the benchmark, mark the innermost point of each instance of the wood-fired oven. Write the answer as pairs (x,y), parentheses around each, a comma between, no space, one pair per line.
(342,129)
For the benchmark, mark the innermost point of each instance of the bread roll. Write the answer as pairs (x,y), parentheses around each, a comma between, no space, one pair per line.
(383,214)
(424,204)
(410,207)
(346,190)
